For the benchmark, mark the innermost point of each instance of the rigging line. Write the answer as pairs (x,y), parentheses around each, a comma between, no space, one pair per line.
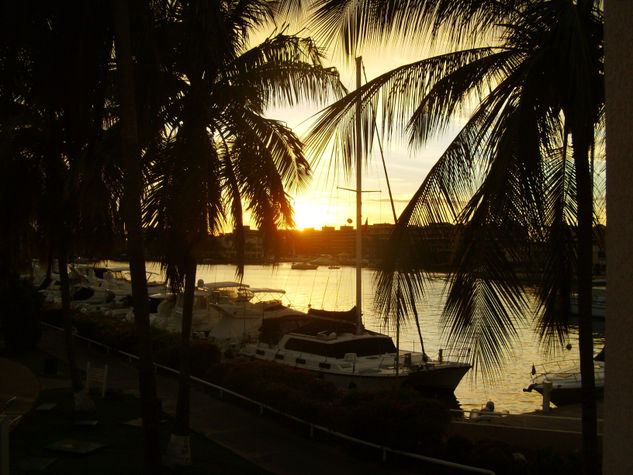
(395,221)
(287,279)
(382,156)
(338,287)
(325,289)
(313,285)
(297,281)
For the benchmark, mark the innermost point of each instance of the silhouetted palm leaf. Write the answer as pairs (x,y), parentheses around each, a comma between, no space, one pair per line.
(500,180)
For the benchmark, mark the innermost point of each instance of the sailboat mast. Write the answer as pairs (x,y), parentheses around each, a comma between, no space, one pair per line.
(359,236)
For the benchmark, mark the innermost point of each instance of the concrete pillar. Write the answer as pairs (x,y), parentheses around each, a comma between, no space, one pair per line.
(618,426)
(547,395)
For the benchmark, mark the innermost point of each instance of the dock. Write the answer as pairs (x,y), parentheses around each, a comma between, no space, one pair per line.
(560,427)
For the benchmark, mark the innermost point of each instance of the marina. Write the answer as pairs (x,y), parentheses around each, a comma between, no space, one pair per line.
(335,289)
(182,194)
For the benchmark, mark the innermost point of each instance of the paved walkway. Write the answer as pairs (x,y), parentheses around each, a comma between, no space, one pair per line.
(259,439)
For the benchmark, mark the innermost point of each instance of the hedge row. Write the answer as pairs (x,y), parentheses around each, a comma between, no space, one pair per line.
(399,418)
(121,334)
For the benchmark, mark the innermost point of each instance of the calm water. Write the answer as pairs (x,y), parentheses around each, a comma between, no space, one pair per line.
(334,289)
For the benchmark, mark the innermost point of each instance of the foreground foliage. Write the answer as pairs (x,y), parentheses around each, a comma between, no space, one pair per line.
(121,335)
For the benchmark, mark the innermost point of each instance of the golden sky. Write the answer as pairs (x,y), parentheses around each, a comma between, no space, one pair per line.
(322,202)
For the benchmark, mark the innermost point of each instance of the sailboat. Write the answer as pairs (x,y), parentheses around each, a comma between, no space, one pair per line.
(338,347)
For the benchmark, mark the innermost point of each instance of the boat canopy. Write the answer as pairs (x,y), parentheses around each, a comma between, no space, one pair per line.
(223,285)
(273,329)
(368,346)
(267,291)
(348,316)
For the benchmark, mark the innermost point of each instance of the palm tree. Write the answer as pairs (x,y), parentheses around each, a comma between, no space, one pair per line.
(220,153)
(55,61)
(55,104)
(133,220)
(518,170)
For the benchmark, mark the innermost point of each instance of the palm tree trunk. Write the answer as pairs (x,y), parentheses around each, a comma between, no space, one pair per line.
(584,276)
(133,183)
(75,378)
(182,411)
(179,451)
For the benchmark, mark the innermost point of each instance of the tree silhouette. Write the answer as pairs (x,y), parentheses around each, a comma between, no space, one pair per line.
(219,152)
(533,70)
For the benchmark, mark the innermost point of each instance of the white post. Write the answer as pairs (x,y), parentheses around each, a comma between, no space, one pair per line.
(547,395)
(618,403)
(359,216)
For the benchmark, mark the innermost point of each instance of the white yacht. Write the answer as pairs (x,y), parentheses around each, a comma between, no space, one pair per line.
(206,297)
(566,381)
(104,289)
(328,343)
(228,313)
(240,321)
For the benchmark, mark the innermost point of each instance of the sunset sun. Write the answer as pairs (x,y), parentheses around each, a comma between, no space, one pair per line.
(311,214)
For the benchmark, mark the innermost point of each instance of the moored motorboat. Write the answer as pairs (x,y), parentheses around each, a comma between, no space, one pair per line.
(566,381)
(327,343)
(205,313)
(304,266)
(240,322)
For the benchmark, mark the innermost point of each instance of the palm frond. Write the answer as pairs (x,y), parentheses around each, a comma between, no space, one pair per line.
(471,82)
(275,145)
(393,97)
(231,189)
(282,71)
(349,23)
(558,247)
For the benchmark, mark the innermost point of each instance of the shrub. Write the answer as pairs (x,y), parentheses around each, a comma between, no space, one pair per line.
(203,355)
(291,390)
(52,315)
(495,456)
(168,350)
(397,418)
(251,375)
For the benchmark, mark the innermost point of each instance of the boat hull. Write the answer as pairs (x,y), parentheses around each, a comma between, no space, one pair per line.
(432,377)
(565,396)
(445,377)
